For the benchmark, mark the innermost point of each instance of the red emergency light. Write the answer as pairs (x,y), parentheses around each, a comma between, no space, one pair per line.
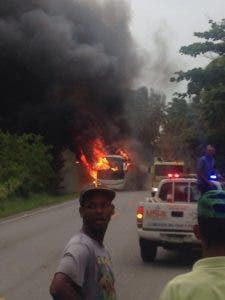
(173,175)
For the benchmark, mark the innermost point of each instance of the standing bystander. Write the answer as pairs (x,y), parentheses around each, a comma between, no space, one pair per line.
(206,168)
(207,279)
(84,271)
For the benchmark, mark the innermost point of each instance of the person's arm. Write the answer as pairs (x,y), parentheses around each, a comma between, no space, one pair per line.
(69,277)
(63,288)
(203,177)
(200,172)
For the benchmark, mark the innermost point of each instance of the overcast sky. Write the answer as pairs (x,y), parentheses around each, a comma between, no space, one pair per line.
(163,26)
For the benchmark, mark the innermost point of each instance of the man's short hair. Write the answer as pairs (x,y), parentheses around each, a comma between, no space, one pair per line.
(212,231)
(211,217)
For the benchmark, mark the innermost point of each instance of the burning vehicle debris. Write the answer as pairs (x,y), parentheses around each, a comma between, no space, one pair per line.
(105,168)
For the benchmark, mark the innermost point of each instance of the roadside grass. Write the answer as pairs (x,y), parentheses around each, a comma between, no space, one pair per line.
(18,205)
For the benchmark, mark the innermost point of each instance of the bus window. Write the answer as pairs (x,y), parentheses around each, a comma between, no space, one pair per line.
(116,172)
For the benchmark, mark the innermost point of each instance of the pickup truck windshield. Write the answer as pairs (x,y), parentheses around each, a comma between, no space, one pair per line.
(166,192)
(195,194)
(180,192)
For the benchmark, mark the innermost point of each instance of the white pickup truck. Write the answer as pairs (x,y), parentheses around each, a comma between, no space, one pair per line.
(167,218)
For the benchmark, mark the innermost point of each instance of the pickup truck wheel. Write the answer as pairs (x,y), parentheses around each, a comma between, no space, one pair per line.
(148,250)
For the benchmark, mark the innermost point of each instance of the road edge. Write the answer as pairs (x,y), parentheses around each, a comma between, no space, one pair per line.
(34,212)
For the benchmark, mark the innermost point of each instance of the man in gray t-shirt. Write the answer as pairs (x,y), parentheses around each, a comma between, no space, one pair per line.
(85,271)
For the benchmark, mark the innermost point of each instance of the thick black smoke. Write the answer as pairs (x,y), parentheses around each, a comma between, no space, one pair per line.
(64,68)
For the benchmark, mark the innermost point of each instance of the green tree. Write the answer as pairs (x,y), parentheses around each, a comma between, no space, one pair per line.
(205,95)
(145,111)
(181,132)
(26,164)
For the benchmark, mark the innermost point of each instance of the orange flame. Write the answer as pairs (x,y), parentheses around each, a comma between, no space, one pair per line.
(91,171)
(99,160)
(123,153)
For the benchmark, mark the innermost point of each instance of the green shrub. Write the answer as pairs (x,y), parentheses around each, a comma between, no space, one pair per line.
(26,165)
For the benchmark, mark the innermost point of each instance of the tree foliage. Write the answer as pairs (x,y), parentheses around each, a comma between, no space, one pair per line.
(25,165)
(145,111)
(214,44)
(196,117)
(214,41)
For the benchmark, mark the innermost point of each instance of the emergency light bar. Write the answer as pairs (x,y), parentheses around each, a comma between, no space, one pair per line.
(173,175)
(213,177)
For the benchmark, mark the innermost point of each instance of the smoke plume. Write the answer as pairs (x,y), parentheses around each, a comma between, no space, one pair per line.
(160,63)
(64,68)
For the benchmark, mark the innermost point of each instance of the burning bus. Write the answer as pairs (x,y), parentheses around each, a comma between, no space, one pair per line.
(107,169)
(115,175)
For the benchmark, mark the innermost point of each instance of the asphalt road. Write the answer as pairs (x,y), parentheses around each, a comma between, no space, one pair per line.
(30,247)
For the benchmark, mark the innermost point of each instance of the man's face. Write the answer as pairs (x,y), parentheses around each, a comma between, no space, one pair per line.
(97,211)
(210,151)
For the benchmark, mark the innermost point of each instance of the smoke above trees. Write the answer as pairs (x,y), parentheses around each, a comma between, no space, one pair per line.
(66,70)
